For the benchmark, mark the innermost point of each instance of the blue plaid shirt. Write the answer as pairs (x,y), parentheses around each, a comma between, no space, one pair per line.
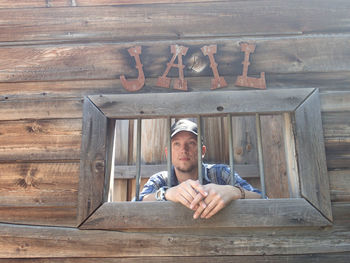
(212,173)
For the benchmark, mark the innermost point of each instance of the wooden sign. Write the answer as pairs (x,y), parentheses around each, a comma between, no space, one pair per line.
(180,83)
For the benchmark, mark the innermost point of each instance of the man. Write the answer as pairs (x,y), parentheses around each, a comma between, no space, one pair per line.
(205,200)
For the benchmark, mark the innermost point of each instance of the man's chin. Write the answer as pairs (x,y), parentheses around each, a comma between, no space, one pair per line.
(185,169)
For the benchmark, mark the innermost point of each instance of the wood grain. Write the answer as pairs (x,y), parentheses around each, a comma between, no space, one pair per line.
(312,258)
(84,61)
(311,156)
(174,21)
(276,179)
(187,104)
(47,242)
(240,213)
(93,163)
(57,139)
(39,193)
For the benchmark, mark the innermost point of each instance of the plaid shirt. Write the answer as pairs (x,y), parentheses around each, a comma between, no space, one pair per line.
(212,173)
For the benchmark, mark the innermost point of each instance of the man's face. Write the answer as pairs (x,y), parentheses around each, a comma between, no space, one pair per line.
(184,152)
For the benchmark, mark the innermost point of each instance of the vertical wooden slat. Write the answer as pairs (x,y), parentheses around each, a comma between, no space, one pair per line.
(93,161)
(169,155)
(291,161)
(260,155)
(199,144)
(310,147)
(138,159)
(110,161)
(230,141)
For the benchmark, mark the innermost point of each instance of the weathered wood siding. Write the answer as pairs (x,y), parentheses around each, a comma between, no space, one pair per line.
(54,52)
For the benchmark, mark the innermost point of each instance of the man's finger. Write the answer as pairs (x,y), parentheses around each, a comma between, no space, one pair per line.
(198,198)
(199,210)
(199,188)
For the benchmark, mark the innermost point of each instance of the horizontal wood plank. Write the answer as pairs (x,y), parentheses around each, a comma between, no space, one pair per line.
(339,184)
(183,20)
(38,184)
(65,216)
(157,105)
(39,193)
(335,84)
(57,139)
(51,242)
(310,258)
(241,213)
(129,171)
(274,55)
(73,3)
(41,109)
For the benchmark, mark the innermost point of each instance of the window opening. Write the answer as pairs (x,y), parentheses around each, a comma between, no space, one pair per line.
(303,142)
(256,168)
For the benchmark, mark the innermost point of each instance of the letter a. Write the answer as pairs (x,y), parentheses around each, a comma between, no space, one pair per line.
(217,81)
(244,80)
(180,83)
(136,84)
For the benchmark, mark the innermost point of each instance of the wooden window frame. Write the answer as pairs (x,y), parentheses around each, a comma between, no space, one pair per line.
(305,155)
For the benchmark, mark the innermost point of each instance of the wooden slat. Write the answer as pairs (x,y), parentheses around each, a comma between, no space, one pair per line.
(338,156)
(39,193)
(291,157)
(335,84)
(204,103)
(129,171)
(65,216)
(93,161)
(50,242)
(38,184)
(339,184)
(336,128)
(311,155)
(310,258)
(34,3)
(335,101)
(111,60)
(74,3)
(276,179)
(41,109)
(174,21)
(241,213)
(40,139)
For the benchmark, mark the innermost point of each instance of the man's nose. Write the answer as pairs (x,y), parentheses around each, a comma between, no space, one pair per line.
(185,147)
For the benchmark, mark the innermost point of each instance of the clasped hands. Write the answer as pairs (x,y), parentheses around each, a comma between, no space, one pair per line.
(204,200)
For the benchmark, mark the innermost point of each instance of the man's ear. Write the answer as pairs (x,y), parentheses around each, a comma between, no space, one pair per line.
(204,150)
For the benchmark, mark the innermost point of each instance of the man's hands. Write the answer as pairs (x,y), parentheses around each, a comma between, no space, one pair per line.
(205,200)
(189,193)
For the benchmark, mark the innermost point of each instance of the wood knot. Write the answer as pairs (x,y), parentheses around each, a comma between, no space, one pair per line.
(99,166)
(239,150)
(197,62)
(34,128)
(28,179)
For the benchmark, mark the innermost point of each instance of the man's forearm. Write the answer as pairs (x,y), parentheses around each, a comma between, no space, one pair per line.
(150,197)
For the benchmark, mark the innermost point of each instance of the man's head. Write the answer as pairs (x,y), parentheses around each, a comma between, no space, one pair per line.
(184,146)
(184,125)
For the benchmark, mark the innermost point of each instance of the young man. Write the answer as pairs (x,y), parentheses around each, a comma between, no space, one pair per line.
(205,200)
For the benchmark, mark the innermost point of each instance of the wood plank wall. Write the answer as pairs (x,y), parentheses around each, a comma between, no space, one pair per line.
(54,52)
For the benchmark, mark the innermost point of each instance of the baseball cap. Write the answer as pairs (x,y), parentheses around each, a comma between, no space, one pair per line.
(183,125)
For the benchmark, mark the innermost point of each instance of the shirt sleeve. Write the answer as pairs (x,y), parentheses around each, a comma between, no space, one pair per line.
(225,176)
(155,182)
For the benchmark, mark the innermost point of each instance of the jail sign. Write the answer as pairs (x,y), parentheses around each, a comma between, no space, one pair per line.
(180,83)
